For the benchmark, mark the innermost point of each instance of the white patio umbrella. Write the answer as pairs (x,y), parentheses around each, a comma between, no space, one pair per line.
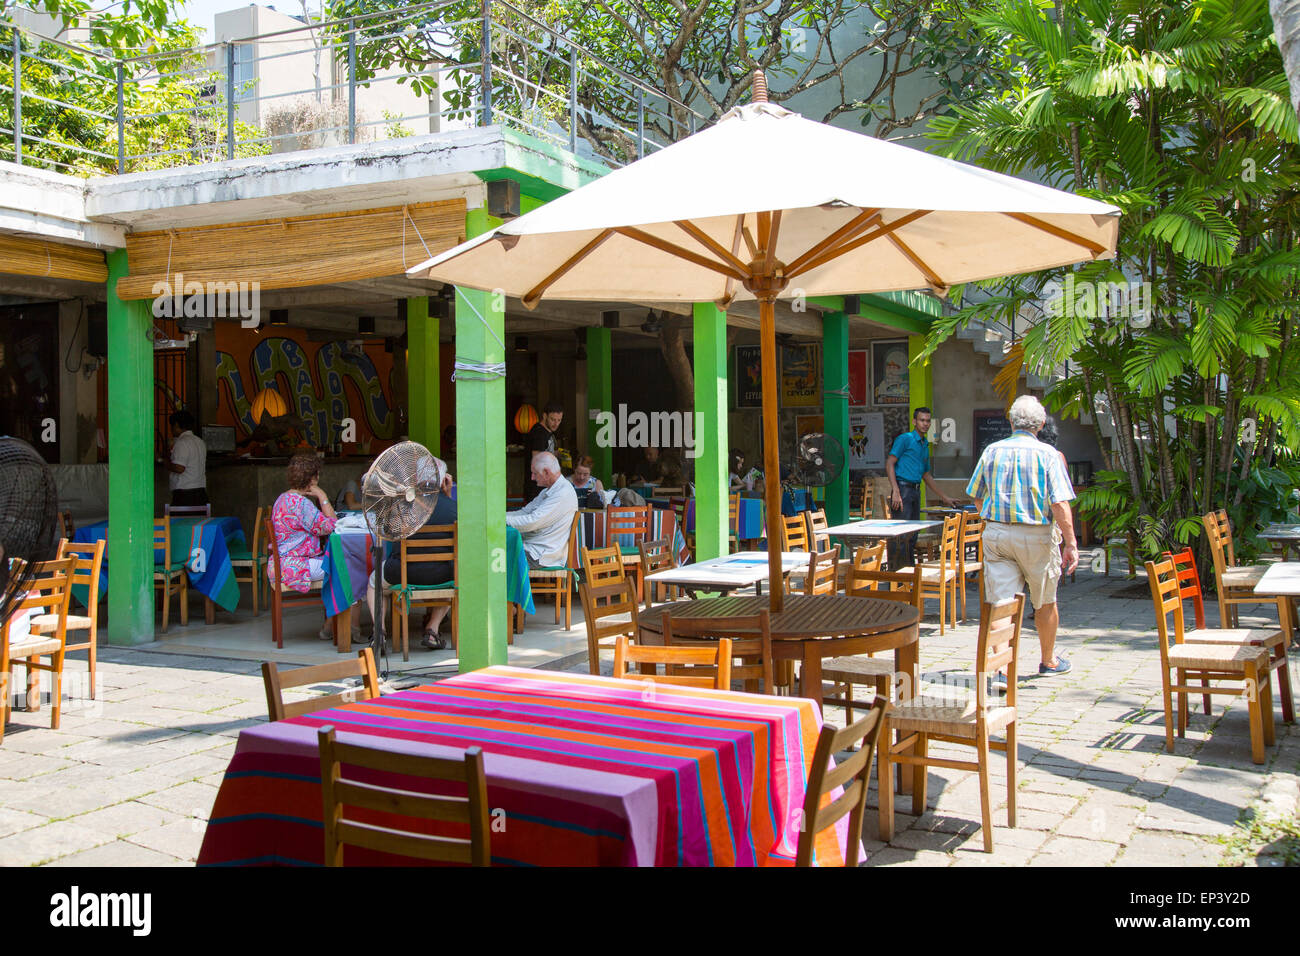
(764,205)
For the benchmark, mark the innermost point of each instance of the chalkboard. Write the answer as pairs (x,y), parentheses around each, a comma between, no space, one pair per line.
(990,425)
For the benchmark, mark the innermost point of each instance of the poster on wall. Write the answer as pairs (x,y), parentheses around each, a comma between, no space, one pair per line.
(749,376)
(801,376)
(866,439)
(889,372)
(809,425)
(857,377)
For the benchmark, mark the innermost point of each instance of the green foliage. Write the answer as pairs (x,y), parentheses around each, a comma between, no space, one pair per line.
(1179,115)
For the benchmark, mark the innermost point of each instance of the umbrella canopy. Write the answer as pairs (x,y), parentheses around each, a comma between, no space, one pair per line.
(766,204)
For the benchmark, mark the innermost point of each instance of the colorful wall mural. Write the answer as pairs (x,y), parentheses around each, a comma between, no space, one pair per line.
(313,377)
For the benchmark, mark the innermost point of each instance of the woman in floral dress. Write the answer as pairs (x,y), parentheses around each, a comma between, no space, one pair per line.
(299,518)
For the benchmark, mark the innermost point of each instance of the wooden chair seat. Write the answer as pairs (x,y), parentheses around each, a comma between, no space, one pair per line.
(1255,636)
(933,573)
(1228,658)
(42,623)
(947,718)
(548,573)
(33,646)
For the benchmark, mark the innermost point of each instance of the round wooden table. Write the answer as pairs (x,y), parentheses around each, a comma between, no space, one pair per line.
(811,628)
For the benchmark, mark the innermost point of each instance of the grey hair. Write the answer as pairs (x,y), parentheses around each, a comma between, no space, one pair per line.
(1027,414)
(547,463)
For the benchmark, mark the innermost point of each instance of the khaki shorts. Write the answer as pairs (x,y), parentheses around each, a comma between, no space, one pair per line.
(1019,558)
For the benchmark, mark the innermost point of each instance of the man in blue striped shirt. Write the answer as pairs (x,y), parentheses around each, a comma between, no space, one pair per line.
(1021,484)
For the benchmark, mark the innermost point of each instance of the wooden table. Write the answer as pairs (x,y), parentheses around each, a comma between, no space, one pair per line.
(1288,535)
(812,628)
(880,528)
(730,572)
(1283,580)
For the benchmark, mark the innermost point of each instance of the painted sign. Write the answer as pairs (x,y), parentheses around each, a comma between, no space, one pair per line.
(749,376)
(801,376)
(866,439)
(889,372)
(857,377)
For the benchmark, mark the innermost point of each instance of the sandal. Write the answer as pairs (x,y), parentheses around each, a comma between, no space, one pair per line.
(433,641)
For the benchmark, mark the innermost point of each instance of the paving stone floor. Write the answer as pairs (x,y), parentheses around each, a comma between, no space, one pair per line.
(129,778)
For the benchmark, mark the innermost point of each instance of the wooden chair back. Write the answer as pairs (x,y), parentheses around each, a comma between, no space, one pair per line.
(733,518)
(275,683)
(1189,581)
(750,637)
(162,540)
(950,543)
(257,547)
(853,774)
(717,659)
(870,557)
(997,648)
(823,572)
(49,593)
(608,611)
(1166,595)
(339,792)
(818,537)
(435,544)
(603,566)
(794,533)
(1219,530)
(904,586)
(679,508)
(627,519)
(972,539)
(88,559)
(188,511)
(656,555)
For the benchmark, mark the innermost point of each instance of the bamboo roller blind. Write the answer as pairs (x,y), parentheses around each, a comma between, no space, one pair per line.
(38,257)
(299,251)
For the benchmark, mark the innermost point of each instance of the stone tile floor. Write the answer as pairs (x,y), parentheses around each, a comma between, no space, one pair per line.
(129,778)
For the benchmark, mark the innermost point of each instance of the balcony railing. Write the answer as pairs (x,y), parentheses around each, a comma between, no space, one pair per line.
(425,68)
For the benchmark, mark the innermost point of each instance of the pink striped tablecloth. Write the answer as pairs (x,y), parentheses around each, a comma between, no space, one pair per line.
(581,771)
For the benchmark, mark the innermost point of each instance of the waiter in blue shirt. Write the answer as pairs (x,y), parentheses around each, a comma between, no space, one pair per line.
(907,466)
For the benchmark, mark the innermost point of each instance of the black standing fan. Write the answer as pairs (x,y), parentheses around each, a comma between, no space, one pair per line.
(29,515)
(398,493)
(819,459)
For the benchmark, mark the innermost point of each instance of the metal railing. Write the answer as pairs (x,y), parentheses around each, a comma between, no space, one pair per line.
(423,68)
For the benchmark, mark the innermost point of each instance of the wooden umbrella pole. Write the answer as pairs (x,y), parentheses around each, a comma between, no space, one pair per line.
(771,451)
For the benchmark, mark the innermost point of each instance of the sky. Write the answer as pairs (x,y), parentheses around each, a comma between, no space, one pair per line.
(201,12)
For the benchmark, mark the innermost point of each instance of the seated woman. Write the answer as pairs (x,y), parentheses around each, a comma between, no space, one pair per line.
(585,483)
(299,518)
(427,573)
(736,477)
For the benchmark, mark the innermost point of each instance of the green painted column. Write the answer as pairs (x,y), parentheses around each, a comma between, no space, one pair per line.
(920,386)
(131,456)
(835,383)
(422,374)
(481,473)
(600,397)
(711,442)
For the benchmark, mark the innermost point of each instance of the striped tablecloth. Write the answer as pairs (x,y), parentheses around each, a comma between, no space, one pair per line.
(581,771)
(663,524)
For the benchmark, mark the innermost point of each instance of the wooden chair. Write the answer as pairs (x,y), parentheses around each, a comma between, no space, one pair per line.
(430,546)
(558,581)
(845,672)
(967,722)
(794,533)
(820,812)
(1243,666)
(1189,582)
(818,537)
(253,559)
(609,611)
(861,500)
(970,556)
(680,507)
(88,559)
(49,593)
(363,666)
(657,555)
(716,658)
(869,557)
(169,575)
(279,590)
(1234,584)
(603,566)
(822,576)
(939,578)
(733,523)
(338,792)
(750,640)
(188,511)
(635,521)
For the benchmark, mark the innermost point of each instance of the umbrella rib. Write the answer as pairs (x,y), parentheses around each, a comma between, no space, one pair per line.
(1095,248)
(917,261)
(717,248)
(531,297)
(673,249)
(729,290)
(769,262)
(859,242)
(866,219)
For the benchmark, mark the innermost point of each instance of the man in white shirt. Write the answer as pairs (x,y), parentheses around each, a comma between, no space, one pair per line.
(545,521)
(189,463)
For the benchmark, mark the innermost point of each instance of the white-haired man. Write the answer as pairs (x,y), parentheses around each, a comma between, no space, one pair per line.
(544,522)
(1022,485)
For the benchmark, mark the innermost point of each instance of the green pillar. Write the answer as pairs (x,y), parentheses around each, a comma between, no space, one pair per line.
(131,453)
(835,383)
(920,385)
(711,442)
(600,397)
(422,373)
(481,473)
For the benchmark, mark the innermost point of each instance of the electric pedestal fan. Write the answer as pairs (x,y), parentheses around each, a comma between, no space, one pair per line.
(28,518)
(398,494)
(819,459)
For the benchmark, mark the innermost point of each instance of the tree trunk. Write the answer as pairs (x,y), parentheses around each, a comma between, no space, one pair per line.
(679,364)
(1286,26)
